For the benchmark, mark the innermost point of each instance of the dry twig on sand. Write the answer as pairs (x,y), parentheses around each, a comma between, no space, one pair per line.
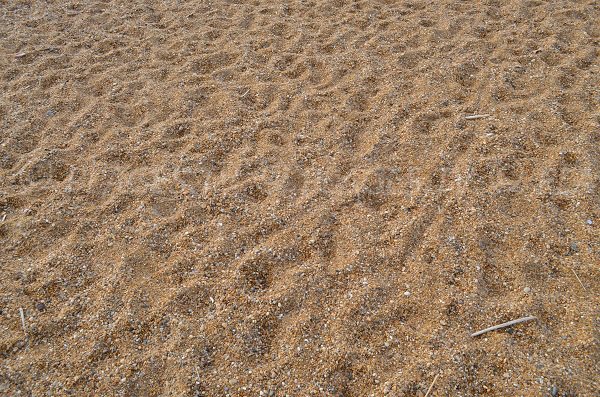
(504,325)
(431,387)
(578,279)
(22,314)
(476,116)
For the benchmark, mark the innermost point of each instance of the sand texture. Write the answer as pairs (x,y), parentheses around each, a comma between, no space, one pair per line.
(284,198)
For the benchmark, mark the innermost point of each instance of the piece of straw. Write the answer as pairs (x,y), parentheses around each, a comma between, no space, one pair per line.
(476,116)
(504,325)
(22,314)
(431,387)
(578,279)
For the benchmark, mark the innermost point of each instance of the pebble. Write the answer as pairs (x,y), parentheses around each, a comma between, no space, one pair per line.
(554,391)
(589,222)
(527,290)
(574,247)
(407,293)
(387,387)
(41,306)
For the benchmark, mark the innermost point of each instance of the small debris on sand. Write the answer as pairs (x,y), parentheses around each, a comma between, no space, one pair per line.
(477,116)
(22,315)
(504,325)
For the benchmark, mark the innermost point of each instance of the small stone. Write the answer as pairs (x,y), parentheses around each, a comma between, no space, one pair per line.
(574,247)
(589,222)
(407,293)
(41,306)
(554,391)
(387,387)
(50,113)
(527,290)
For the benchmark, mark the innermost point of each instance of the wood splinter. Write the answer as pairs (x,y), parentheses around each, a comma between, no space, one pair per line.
(22,314)
(431,386)
(578,279)
(476,116)
(504,325)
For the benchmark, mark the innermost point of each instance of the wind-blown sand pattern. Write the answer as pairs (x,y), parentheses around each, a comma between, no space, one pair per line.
(271,198)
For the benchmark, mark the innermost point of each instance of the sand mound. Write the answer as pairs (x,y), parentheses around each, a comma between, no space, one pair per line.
(244,198)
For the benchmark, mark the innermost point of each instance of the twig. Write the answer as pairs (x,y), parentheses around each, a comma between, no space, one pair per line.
(504,325)
(578,279)
(245,93)
(476,116)
(431,387)
(23,320)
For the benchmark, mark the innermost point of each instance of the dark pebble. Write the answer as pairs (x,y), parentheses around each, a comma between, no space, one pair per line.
(40,306)
(554,391)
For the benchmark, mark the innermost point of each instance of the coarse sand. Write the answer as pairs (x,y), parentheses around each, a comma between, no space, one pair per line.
(293,198)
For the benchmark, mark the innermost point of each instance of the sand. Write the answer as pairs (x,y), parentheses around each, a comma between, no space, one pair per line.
(271,198)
